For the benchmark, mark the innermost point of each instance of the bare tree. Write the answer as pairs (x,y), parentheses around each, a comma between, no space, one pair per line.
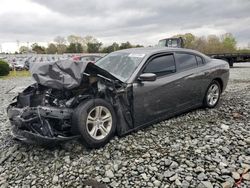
(75,39)
(60,40)
(60,44)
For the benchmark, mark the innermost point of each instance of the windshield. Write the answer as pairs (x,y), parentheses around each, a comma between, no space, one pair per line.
(172,43)
(120,64)
(162,43)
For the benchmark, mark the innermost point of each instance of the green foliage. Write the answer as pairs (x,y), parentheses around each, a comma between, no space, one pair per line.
(52,49)
(94,47)
(210,44)
(77,44)
(83,41)
(4,68)
(229,42)
(125,45)
(243,51)
(213,44)
(111,48)
(189,39)
(38,49)
(115,46)
(74,48)
(74,39)
(61,48)
(71,48)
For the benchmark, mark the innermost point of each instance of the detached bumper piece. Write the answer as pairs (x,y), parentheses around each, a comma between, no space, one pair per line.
(41,125)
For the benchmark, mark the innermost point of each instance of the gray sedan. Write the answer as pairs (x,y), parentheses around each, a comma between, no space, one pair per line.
(124,91)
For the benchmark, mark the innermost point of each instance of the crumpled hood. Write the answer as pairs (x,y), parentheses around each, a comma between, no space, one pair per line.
(65,74)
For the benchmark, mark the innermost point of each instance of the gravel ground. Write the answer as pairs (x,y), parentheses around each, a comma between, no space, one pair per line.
(202,148)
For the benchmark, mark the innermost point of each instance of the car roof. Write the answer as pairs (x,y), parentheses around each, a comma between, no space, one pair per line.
(154,50)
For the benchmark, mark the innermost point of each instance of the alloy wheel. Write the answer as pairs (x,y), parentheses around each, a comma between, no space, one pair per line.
(213,94)
(99,122)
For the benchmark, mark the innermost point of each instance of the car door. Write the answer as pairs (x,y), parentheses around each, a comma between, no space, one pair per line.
(189,79)
(154,99)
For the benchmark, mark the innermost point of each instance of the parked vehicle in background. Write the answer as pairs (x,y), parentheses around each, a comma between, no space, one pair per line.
(175,42)
(3,58)
(122,92)
(19,64)
(11,66)
(87,58)
(27,63)
(231,58)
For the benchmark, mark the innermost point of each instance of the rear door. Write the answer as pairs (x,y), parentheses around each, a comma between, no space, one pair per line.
(154,99)
(189,79)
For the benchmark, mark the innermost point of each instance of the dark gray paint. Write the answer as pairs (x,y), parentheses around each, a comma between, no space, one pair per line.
(176,92)
(137,103)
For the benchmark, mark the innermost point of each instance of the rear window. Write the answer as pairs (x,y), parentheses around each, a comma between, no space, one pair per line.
(199,60)
(186,61)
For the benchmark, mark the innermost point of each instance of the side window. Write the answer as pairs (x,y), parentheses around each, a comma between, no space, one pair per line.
(199,60)
(186,61)
(161,65)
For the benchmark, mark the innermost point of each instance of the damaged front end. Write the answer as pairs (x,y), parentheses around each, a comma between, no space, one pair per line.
(42,113)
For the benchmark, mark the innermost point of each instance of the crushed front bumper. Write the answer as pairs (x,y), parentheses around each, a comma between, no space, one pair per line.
(32,138)
(33,124)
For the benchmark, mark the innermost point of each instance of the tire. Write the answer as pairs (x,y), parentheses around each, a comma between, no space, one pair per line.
(231,63)
(95,121)
(212,95)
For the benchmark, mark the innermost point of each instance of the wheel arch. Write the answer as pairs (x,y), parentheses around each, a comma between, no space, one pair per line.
(219,80)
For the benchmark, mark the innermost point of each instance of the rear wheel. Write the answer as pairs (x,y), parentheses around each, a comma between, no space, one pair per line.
(212,96)
(231,63)
(95,120)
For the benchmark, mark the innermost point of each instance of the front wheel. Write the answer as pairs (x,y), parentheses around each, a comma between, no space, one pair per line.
(95,121)
(231,64)
(212,96)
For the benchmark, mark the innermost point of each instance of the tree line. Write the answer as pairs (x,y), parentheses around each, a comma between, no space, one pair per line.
(76,44)
(225,43)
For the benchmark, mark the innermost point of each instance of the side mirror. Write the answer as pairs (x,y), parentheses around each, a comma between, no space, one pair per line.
(147,77)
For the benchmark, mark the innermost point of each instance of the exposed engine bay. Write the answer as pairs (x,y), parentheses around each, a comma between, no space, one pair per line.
(43,111)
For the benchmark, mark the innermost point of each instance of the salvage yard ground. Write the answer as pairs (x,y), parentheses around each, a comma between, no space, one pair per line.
(16,74)
(203,148)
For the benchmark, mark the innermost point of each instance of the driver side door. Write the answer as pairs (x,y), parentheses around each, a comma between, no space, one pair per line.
(155,99)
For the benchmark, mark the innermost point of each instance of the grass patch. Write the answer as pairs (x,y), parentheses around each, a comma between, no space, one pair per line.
(16,74)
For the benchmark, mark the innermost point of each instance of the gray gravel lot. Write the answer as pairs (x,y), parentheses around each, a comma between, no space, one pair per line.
(203,148)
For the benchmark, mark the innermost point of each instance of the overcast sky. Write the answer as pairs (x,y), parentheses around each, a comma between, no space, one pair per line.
(138,21)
